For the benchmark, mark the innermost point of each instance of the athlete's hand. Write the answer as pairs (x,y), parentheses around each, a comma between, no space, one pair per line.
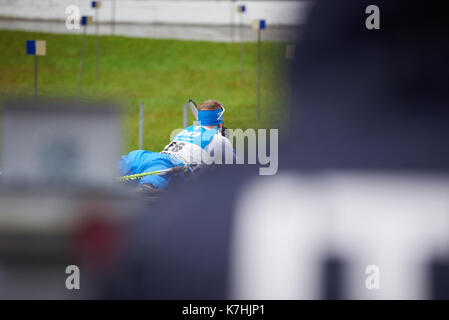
(148,189)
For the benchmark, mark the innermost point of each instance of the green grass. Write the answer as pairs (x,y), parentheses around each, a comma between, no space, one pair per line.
(163,74)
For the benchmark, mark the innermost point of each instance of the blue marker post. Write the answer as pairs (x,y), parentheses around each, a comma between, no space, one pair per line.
(36,48)
(113,5)
(96,5)
(259,25)
(85,21)
(141,124)
(241,9)
(232,17)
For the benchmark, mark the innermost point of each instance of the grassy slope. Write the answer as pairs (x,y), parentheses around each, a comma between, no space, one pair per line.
(162,73)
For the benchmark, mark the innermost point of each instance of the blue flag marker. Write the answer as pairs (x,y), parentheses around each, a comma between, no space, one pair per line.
(259,25)
(31,47)
(36,48)
(95,4)
(86,20)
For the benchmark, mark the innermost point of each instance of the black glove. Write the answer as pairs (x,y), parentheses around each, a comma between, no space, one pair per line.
(223,131)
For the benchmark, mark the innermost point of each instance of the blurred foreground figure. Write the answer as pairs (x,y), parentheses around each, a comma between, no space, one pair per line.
(360,207)
(61,208)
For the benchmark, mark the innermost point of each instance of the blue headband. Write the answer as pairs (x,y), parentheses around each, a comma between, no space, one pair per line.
(211,117)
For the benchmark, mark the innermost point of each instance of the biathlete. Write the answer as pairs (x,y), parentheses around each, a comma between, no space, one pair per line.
(195,145)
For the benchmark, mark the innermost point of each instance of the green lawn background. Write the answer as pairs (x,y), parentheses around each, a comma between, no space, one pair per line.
(163,74)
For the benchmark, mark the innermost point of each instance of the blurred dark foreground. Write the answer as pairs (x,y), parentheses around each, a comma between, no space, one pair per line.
(358,210)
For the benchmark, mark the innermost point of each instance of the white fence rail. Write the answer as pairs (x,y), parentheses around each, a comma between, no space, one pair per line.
(202,12)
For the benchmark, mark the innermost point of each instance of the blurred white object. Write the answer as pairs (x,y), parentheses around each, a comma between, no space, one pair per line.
(59,143)
(287,225)
(205,12)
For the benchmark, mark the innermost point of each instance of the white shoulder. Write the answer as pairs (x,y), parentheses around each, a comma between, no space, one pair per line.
(221,148)
(220,141)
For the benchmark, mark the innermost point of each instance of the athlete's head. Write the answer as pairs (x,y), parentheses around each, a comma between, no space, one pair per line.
(210,113)
(210,105)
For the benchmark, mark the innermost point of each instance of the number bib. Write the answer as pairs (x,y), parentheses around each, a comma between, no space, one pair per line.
(191,144)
